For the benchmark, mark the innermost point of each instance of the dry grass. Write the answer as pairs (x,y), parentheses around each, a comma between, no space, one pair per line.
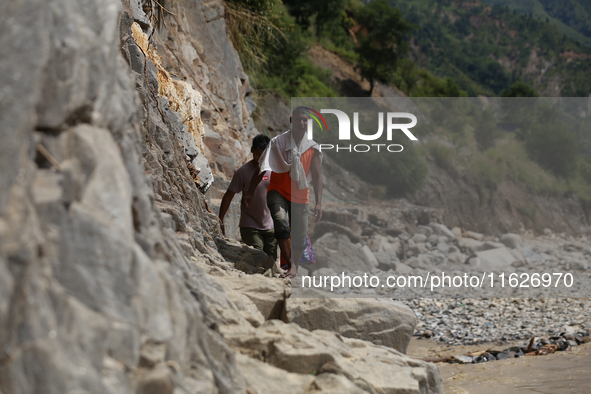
(249,31)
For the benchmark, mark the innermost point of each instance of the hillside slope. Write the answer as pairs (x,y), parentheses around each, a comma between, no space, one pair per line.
(571,17)
(464,199)
(485,49)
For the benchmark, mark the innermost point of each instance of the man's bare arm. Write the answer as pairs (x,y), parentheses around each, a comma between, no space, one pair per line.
(317,183)
(226,201)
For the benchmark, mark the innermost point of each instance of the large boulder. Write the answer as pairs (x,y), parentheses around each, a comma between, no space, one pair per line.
(380,321)
(336,251)
(262,378)
(266,294)
(494,260)
(328,227)
(245,258)
(299,351)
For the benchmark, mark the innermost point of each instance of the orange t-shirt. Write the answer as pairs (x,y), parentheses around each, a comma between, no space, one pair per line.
(287,187)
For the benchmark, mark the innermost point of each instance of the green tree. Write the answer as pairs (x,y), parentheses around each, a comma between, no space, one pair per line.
(302,11)
(519,89)
(381,47)
(327,12)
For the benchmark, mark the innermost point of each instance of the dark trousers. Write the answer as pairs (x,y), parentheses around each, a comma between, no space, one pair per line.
(288,218)
(260,239)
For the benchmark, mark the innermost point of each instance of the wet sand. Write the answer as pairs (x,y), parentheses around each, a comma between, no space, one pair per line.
(562,372)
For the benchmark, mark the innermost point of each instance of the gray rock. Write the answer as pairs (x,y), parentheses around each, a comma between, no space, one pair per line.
(443,247)
(433,239)
(462,359)
(250,104)
(326,353)
(419,238)
(422,261)
(267,294)
(99,292)
(441,229)
(138,13)
(385,261)
(105,276)
(512,241)
(530,254)
(425,230)
(402,268)
(380,321)
(323,227)
(456,258)
(337,252)
(473,235)
(494,259)
(578,265)
(518,263)
(323,271)
(418,249)
(489,245)
(471,245)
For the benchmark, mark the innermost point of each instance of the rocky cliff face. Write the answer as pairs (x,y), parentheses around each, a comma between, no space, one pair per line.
(111,277)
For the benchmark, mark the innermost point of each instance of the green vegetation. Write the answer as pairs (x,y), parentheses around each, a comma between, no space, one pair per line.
(252,25)
(274,51)
(442,154)
(273,45)
(519,89)
(529,211)
(379,50)
(438,48)
(571,17)
(542,150)
(486,49)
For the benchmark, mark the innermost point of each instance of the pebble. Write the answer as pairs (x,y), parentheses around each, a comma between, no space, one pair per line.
(469,321)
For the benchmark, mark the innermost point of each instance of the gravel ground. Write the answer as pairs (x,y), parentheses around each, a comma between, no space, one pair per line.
(470,321)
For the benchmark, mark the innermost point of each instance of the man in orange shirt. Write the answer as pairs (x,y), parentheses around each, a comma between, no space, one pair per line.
(294,160)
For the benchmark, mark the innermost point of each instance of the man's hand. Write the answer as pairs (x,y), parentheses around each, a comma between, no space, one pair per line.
(223,229)
(317,213)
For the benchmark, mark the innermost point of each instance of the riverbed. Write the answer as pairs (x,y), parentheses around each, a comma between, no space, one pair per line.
(562,372)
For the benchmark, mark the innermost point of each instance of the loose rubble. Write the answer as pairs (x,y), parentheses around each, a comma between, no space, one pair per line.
(470,321)
(385,249)
(467,316)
